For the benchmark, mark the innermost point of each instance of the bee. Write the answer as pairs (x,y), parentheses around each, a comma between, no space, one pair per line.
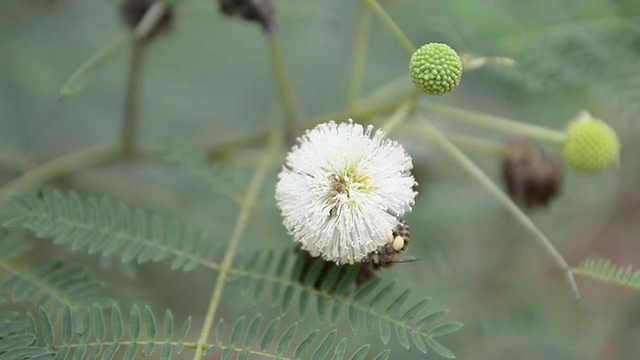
(385,256)
(392,253)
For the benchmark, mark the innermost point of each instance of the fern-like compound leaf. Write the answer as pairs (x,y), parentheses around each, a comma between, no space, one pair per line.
(605,270)
(333,288)
(92,342)
(99,226)
(49,283)
(17,340)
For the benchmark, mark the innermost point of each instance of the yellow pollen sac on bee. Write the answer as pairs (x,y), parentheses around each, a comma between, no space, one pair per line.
(397,243)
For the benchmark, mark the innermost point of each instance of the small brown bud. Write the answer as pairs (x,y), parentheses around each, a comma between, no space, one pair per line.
(133,11)
(260,11)
(532,178)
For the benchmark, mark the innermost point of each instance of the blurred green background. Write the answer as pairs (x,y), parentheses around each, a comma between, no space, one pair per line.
(210,82)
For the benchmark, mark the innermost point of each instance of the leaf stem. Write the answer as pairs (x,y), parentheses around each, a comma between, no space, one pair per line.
(284,88)
(359,55)
(76,81)
(132,98)
(243,217)
(59,167)
(479,175)
(498,123)
(393,27)
(139,39)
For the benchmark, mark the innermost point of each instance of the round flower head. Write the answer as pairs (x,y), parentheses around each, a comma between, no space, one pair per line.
(435,68)
(341,190)
(591,145)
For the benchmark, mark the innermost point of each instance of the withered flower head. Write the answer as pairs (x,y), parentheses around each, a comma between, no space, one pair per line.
(532,178)
(132,11)
(260,11)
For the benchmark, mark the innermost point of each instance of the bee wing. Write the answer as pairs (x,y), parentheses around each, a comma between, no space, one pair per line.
(404,258)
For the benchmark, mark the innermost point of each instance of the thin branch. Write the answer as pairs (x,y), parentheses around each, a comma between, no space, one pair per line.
(76,81)
(284,88)
(131,114)
(393,27)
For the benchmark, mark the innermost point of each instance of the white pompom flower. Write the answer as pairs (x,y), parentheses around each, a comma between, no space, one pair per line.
(342,190)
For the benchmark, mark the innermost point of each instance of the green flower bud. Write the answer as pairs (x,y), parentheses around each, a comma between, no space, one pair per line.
(591,145)
(435,68)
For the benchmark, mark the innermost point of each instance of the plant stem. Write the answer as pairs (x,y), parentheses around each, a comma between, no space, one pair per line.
(75,82)
(132,99)
(479,175)
(498,123)
(358,63)
(139,40)
(393,27)
(58,167)
(241,222)
(284,89)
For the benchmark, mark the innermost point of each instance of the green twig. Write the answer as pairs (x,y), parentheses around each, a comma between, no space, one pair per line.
(57,168)
(358,63)
(132,98)
(498,123)
(479,175)
(139,39)
(284,88)
(393,27)
(76,81)
(232,247)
